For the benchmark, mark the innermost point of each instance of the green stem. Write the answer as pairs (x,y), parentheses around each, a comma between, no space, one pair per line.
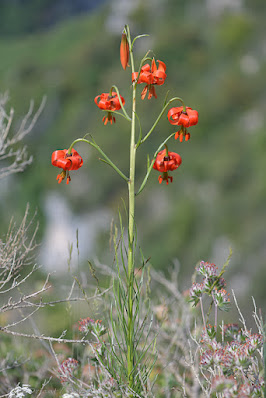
(152,163)
(120,114)
(160,115)
(144,59)
(131,222)
(120,101)
(203,317)
(107,160)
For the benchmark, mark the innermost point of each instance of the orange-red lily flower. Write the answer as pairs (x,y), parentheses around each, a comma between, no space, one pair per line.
(166,162)
(67,161)
(124,51)
(109,103)
(151,75)
(179,117)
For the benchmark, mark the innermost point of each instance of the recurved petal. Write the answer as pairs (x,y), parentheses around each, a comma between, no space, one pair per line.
(146,68)
(103,104)
(153,66)
(64,164)
(96,99)
(177,158)
(183,120)
(173,114)
(60,153)
(146,77)
(115,104)
(162,66)
(76,163)
(159,77)
(152,92)
(193,117)
(134,77)
(144,92)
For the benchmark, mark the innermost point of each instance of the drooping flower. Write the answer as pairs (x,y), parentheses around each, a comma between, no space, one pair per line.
(177,116)
(151,75)
(67,161)
(124,51)
(109,103)
(166,162)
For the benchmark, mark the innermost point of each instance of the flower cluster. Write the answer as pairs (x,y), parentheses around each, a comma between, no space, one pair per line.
(231,330)
(151,75)
(233,362)
(226,385)
(90,325)
(212,285)
(196,291)
(207,269)
(20,391)
(221,298)
(229,365)
(254,342)
(166,161)
(67,369)
(229,387)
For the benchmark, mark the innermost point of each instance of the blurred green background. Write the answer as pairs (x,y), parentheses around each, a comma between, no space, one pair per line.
(215,52)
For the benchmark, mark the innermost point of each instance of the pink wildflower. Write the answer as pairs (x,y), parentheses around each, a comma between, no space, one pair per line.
(67,369)
(90,325)
(207,269)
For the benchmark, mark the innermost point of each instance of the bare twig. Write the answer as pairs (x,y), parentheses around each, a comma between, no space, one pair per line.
(8,146)
(16,250)
(41,337)
(242,319)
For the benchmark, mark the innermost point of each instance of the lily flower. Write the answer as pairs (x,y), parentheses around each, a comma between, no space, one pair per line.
(67,161)
(151,75)
(177,116)
(109,103)
(166,162)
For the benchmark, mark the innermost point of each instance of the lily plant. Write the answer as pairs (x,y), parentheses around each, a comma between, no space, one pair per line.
(127,335)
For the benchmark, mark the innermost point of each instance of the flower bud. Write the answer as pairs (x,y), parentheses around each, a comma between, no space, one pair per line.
(124,51)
